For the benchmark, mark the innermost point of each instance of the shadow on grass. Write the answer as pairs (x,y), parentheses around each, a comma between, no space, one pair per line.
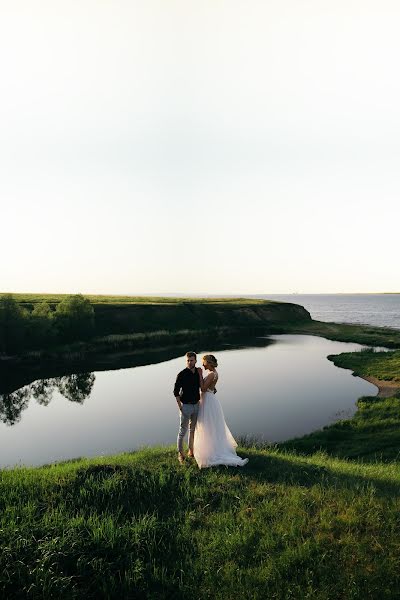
(281,470)
(271,468)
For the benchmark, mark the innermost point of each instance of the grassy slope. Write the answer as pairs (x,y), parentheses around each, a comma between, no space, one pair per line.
(142,526)
(372,434)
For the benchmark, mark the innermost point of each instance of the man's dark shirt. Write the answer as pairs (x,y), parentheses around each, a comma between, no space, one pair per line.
(189,382)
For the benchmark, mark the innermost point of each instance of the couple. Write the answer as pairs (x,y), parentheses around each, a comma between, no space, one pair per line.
(210,441)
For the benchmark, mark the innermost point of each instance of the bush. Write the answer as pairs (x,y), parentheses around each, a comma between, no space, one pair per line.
(13,325)
(41,325)
(74,318)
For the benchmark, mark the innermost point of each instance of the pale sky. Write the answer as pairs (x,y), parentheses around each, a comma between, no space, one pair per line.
(213,146)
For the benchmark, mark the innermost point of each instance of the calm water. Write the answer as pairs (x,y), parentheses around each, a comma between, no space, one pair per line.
(382,310)
(286,389)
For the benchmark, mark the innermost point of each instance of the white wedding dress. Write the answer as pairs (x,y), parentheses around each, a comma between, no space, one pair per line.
(213,442)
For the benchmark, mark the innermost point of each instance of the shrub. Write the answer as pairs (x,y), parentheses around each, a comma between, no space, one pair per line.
(74,317)
(13,325)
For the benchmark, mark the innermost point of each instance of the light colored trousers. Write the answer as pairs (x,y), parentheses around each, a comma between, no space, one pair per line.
(188,418)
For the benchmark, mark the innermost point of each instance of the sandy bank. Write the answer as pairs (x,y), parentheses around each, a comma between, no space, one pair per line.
(386,389)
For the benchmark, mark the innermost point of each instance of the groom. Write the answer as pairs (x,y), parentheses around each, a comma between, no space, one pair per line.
(187,394)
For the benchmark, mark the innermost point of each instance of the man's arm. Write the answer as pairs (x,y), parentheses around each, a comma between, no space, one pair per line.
(177,390)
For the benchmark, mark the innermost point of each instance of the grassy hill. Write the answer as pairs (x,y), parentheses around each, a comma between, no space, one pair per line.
(140,525)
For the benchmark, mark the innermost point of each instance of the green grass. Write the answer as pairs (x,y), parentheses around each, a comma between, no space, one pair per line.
(344,332)
(105,299)
(381,365)
(372,434)
(142,526)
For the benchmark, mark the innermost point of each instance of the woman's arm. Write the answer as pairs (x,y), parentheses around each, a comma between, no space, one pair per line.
(200,372)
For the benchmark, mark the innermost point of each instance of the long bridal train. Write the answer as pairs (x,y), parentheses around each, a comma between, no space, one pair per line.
(214,444)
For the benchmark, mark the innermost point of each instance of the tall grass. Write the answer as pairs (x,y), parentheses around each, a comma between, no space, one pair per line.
(142,526)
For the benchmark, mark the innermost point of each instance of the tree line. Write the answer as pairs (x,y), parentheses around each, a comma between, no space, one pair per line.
(46,325)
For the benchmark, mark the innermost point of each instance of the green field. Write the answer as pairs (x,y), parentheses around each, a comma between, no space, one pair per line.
(104,299)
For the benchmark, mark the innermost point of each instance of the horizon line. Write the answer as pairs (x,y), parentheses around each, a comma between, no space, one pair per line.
(199,294)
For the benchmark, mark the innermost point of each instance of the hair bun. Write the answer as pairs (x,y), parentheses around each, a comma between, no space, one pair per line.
(211,360)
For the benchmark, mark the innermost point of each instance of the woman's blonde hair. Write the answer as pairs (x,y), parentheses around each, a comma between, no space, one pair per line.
(210,359)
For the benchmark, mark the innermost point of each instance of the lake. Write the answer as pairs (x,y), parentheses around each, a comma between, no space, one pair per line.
(382,310)
(285,389)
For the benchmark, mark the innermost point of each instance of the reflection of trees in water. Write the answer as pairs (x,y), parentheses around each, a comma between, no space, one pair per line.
(76,388)
(11,405)
(42,390)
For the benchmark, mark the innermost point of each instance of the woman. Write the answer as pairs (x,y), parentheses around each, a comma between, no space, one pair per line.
(213,442)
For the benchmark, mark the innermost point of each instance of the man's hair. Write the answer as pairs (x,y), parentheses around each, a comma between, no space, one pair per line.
(191,355)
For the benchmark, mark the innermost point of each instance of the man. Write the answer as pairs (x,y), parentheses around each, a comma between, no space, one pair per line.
(187,394)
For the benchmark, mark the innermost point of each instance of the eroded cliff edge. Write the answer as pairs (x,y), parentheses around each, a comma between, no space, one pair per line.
(133,318)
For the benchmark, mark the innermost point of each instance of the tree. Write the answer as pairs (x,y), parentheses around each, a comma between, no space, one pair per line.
(41,325)
(13,324)
(74,318)
(42,310)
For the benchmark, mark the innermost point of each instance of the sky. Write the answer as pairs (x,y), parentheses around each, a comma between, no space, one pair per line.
(187,146)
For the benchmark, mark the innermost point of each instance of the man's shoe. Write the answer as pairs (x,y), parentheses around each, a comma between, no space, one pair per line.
(191,454)
(181,457)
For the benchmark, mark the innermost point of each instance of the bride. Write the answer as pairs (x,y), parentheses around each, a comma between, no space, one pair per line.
(213,442)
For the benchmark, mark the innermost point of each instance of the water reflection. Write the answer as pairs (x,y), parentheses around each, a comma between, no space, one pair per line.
(12,405)
(42,390)
(277,391)
(16,376)
(76,388)
(16,389)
